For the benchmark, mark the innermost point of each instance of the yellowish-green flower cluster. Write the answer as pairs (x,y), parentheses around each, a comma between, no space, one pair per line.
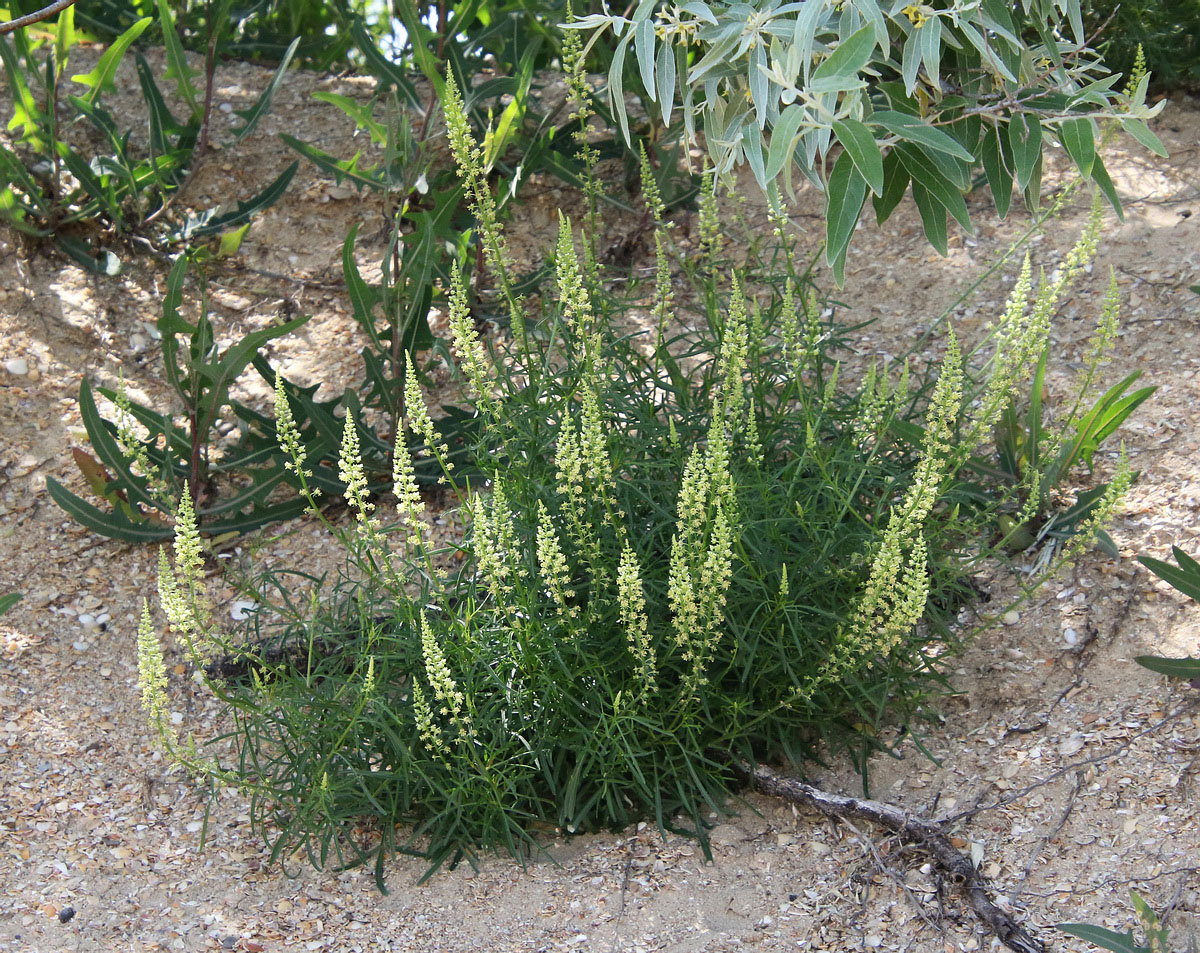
(472,357)
(572,293)
(287,435)
(427,728)
(181,588)
(419,419)
(574,60)
(409,504)
(351,472)
(631,603)
(134,450)
(152,670)
(495,542)
(701,565)
(552,563)
(451,702)
(469,161)
(894,596)
(1101,341)
(1114,495)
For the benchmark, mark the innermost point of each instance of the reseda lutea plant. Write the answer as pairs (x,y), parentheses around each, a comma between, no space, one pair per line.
(663,574)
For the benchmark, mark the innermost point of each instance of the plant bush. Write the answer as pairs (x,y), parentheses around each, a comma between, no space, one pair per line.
(685,548)
(84,199)
(915,95)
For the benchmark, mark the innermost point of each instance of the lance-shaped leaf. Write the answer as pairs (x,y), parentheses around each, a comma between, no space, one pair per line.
(845,195)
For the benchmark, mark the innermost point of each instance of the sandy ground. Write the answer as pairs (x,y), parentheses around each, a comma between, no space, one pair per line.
(1077,767)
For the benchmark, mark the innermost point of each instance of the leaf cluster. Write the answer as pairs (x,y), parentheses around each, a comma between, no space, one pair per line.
(82,195)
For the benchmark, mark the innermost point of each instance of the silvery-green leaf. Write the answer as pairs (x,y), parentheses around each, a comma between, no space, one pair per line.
(644,50)
(666,81)
(1141,132)
(845,195)
(850,56)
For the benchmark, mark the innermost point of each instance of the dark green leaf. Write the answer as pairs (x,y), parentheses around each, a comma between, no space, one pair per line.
(1109,940)
(1025,139)
(860,144)
(8,601)
(1100,177)
(846,193)
(913,129)
(1183,577)
(848,60)
(263,103)
(113,524)
(895,184)
(1077,138)
(1174,667)
(215,224)
(933,217)
(999,178)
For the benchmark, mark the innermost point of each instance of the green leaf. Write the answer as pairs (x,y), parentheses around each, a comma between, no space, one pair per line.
(1100,177)
(783,136)
(1188,668)
(177,68)
(933,217)
(850,57)
(1025,139)
(913,129)
(846,193)
(895,184)
(666,71)
(113,524)
(263,103)
(1141,132)
(1108,939)
(209,224)
(999,178)
(101,78)
(363,297)
(8,601)
(383,69)
(1185,578)
(1076,136)
(857,140)
(925,171)
(231,241)
(616,91)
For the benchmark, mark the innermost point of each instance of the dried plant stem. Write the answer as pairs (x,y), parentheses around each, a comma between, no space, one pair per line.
(925,834)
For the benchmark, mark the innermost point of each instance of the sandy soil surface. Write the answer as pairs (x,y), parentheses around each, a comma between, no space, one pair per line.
(1077,768)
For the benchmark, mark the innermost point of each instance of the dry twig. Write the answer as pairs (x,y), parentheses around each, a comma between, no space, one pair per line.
(924,834)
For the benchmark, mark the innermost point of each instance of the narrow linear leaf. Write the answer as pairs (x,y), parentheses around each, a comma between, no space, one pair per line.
(252,115)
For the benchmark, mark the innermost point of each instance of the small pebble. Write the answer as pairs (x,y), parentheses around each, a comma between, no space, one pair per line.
(17,366)
(65,914)
(242,609)
(87,620)
(1011,617)
(1070,636)
(81,646)
(226,108)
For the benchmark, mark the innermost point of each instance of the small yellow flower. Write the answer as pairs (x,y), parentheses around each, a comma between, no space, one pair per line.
(916,14)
